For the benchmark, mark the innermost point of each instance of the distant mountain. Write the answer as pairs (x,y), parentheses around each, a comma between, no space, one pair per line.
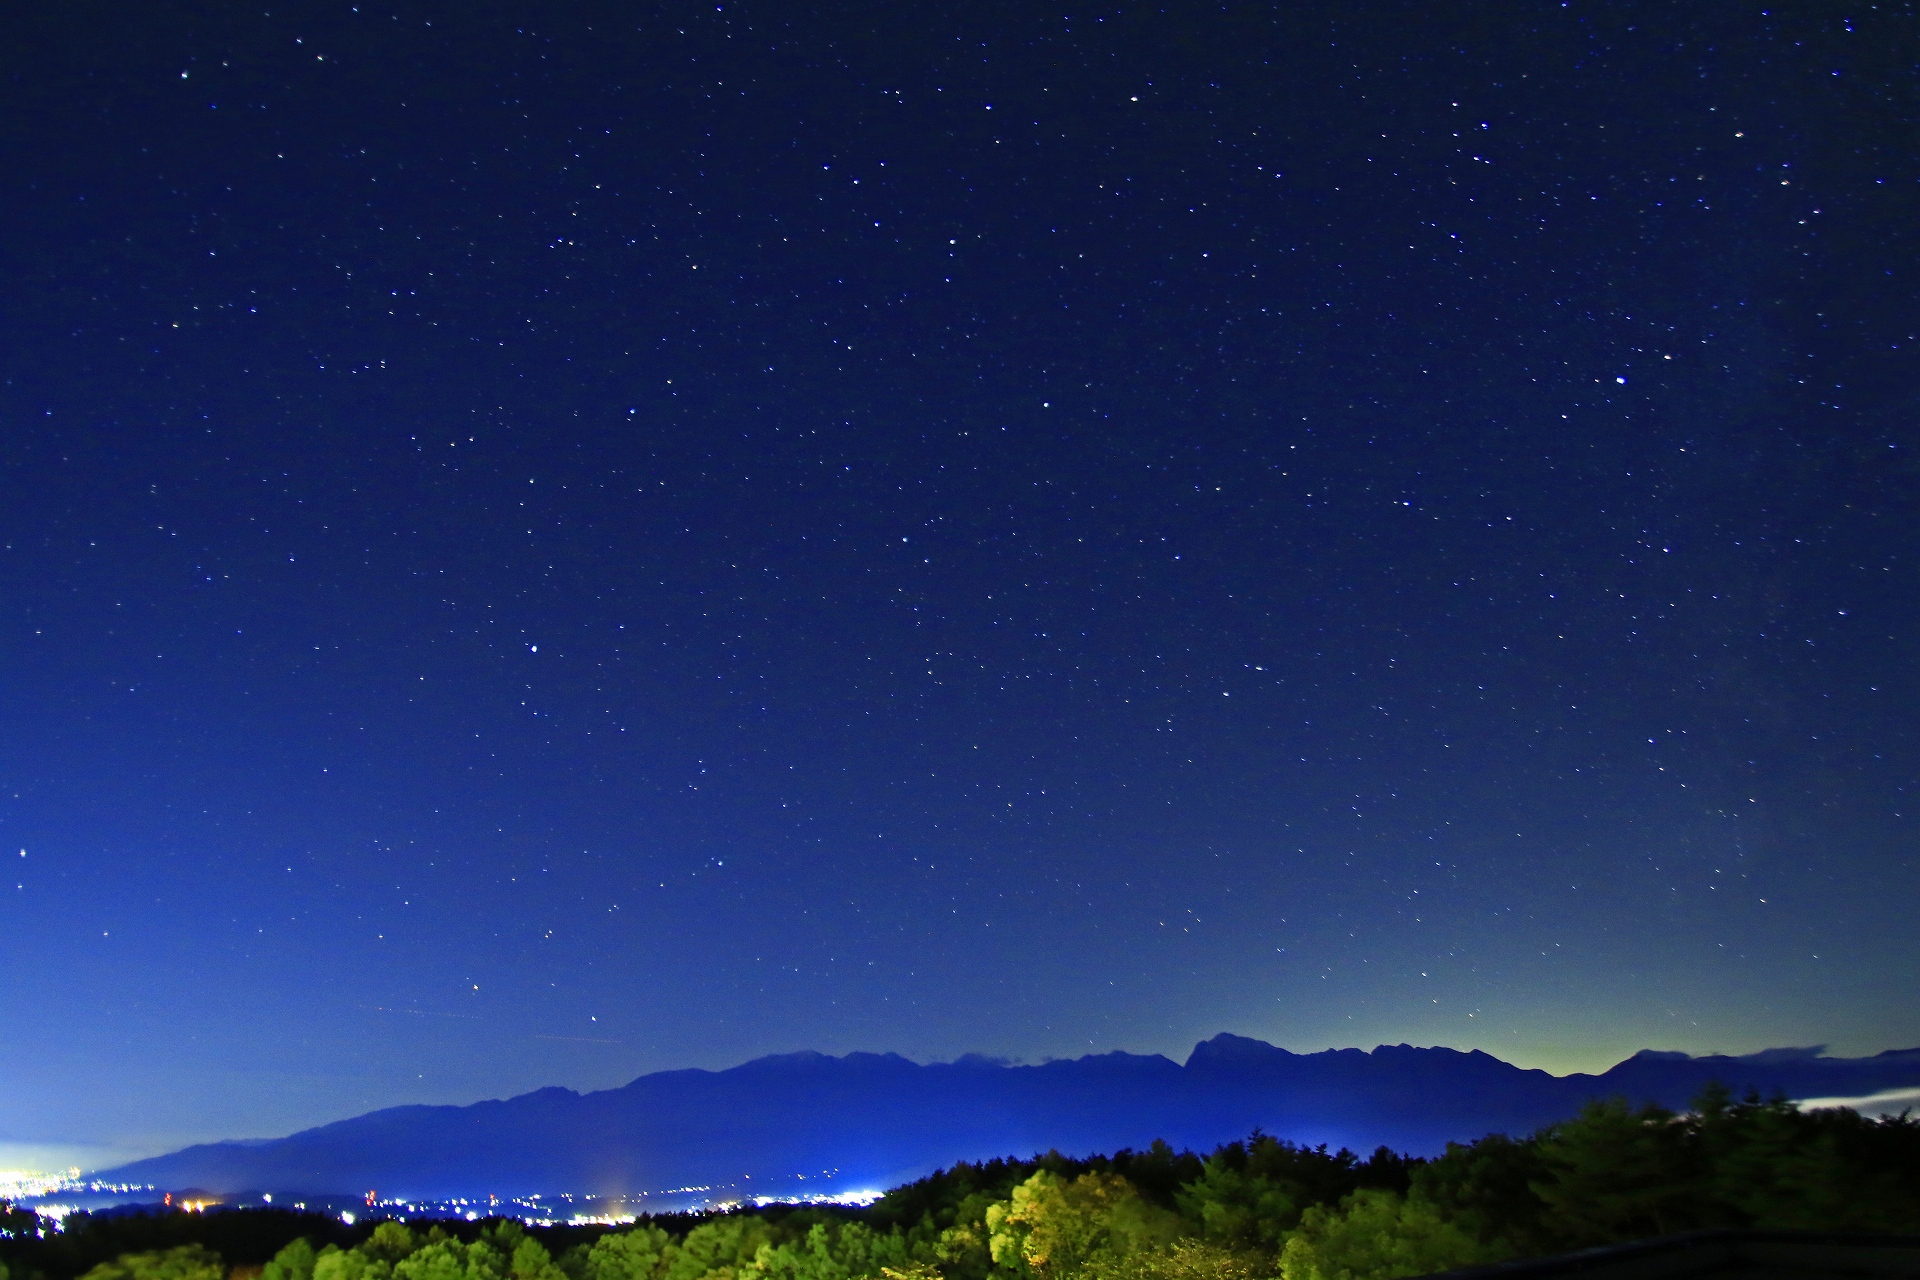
(878,1119)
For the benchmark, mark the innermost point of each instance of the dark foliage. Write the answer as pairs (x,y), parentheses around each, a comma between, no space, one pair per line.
(242,1238)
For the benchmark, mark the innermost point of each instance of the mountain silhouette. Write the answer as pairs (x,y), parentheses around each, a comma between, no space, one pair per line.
(794,1121)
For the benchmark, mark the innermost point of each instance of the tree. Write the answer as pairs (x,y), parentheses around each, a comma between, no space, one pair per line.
(717,1248)
(188,1262)
(295,1262)
(1249,1195)
(531,1261)
(335,1263)
(1486,1189)
(439,1260)
(1377,1235)
(390,1242)
(639,1254)
(1188,1260)
(1238,1207)
(1059,1228)
(1615,1173)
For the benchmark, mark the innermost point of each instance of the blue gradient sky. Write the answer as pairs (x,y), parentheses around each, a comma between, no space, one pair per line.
(544,545)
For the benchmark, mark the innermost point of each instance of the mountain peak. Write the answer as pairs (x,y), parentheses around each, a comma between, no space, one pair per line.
(1229,1050)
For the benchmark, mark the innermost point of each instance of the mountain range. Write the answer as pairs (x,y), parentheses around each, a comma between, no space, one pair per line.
(808,1120)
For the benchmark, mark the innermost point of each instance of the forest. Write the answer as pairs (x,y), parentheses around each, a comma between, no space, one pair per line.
(1259,1209)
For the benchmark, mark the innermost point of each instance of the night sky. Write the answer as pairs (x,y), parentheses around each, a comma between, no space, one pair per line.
(542,543)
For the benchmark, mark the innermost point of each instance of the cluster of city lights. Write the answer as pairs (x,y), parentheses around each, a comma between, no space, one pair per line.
(19,1184)
(528,1209)
(856,1199)
(33,1189)
(567,1209)
(29,1188)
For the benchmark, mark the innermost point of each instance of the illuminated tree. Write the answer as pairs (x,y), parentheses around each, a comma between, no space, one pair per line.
(1058,1228)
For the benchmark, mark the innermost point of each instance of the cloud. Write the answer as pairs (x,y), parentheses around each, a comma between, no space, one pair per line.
(1888,1102)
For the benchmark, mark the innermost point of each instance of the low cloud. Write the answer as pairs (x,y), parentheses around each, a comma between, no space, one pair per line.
(1888,1102)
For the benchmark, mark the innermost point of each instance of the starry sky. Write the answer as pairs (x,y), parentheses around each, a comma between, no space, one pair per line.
(548,542)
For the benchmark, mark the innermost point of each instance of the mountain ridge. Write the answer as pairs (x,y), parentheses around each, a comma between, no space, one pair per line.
(876,1119)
